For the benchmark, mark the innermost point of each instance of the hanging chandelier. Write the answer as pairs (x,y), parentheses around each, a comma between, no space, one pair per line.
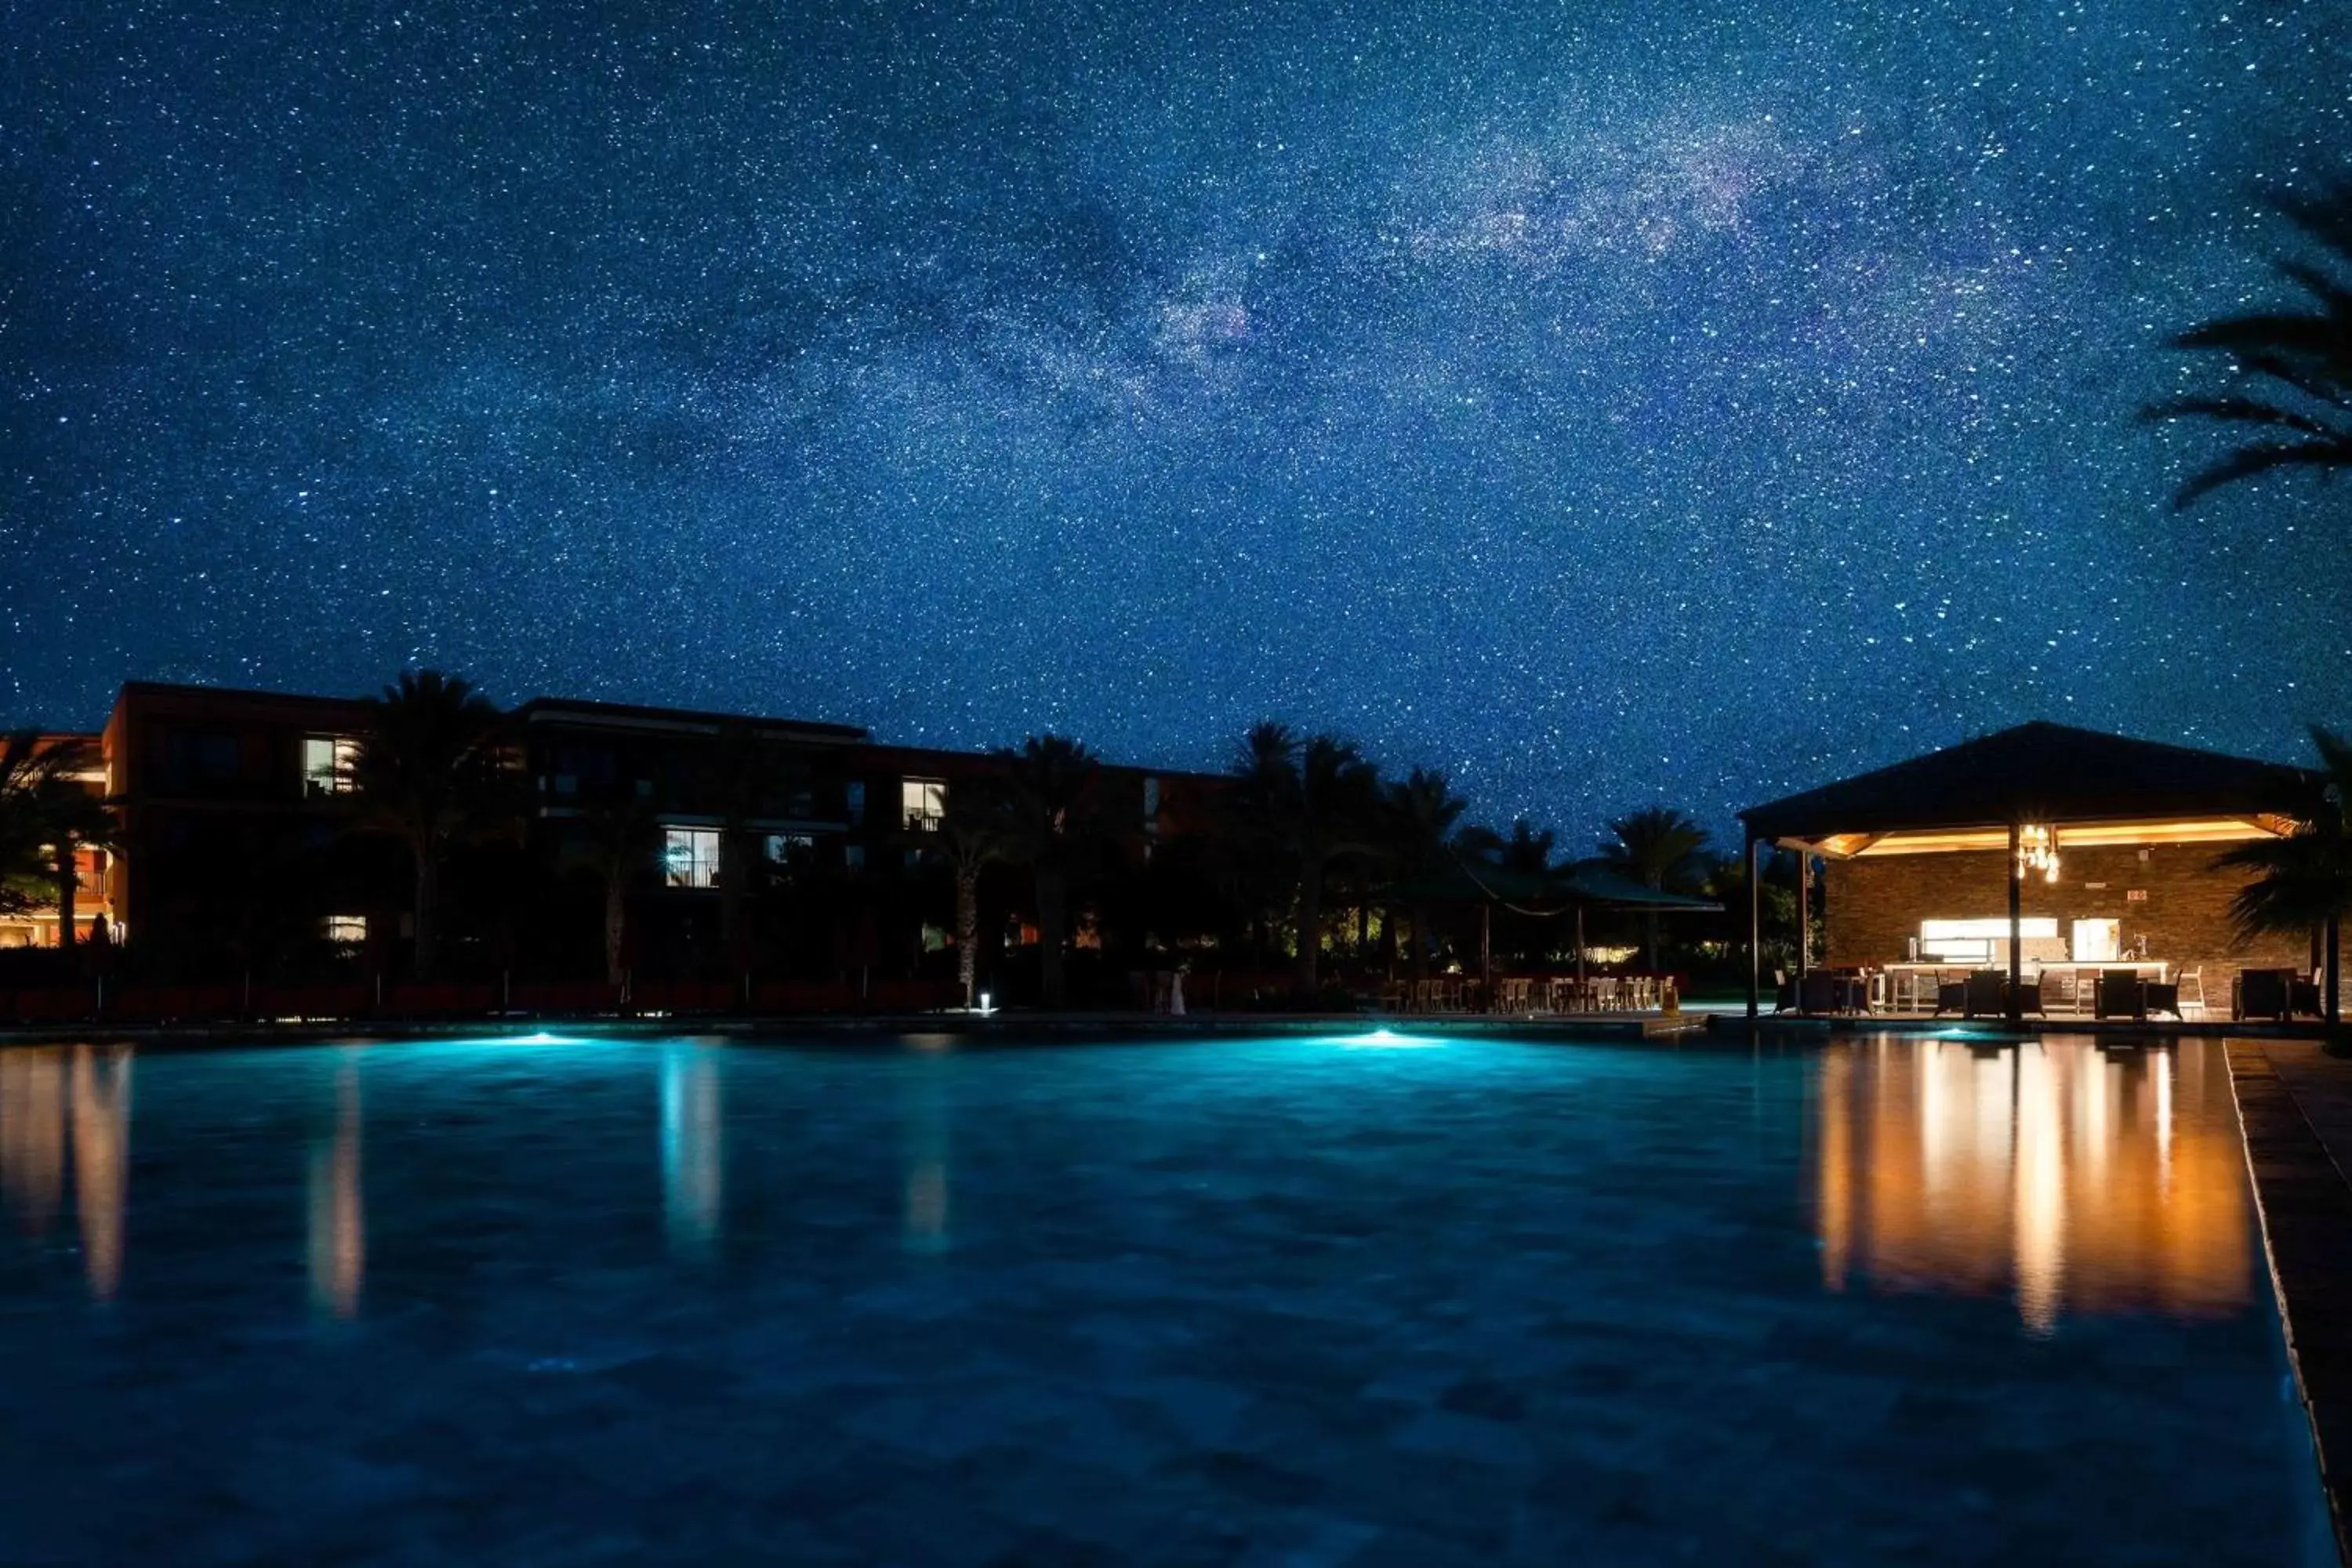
(2037,850)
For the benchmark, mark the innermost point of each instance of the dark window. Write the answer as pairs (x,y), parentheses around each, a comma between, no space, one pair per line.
(199,761)
(589,766)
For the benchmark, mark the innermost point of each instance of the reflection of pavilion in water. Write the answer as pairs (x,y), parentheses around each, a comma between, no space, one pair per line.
(56,1103)
(2083,1180)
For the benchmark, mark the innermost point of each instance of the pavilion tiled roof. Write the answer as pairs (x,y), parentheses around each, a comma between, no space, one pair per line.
(2041,772)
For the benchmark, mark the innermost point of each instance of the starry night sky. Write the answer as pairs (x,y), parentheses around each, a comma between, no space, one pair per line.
(1609,401)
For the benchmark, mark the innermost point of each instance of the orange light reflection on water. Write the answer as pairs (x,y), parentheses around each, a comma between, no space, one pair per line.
(338,1217)
(2077,1180)
(57,1102)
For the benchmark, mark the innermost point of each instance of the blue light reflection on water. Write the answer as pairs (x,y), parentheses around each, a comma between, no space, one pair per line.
(1893,1292)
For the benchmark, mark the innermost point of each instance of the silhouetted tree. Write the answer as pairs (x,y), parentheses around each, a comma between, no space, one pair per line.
(426,770)
(2289,386)
(745,776)
(1528,850)
(2303,881)
(1310,802)
(1726,881)
(979,831)
(71,819)
(1420,814)
(622,836)
(26,768)
(1049,828)
(1660,848)
(47,815)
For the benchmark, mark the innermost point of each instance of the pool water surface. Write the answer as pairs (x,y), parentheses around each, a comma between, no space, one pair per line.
(1359,1300)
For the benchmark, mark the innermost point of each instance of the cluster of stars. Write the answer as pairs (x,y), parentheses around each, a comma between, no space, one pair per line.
(1609,403)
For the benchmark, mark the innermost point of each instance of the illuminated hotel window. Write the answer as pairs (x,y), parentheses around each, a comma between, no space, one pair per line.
(345,929)
(327,761)
(785,848)
(923,803)
(690,856)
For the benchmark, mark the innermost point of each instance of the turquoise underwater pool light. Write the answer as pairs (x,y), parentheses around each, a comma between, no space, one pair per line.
(1388,1039)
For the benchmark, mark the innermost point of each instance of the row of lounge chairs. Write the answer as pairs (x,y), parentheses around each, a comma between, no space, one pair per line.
(2062,991)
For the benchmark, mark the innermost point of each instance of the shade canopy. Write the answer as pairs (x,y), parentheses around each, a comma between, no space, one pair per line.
(1590,883)
(2042,773)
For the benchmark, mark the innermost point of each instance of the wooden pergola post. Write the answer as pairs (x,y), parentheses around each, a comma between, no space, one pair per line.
(1486,949)
(2333,963)
(1580,992)
(1755,926)
(1805,922)
(2015,1001)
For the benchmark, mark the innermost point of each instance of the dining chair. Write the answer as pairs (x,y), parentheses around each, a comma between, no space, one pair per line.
(2263,992)
(1982,992)
(2122,994)
(2189,990)
(1951,995)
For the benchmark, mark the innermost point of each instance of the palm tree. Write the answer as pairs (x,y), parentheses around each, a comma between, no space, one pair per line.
(1049,827)
(25,769)
(426,770)
(1338,791)
(1311,802)
(1421,812)
(2304,883)
(744,778)
(977,828)
(72,819)
(1524,862)
(1527,851)
(1724,880)
(1258,812)
(1660,848)
(2290,380)
(47,816)
(622,835)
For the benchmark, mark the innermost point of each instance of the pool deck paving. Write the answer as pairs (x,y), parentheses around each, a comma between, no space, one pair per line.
(2294,1102)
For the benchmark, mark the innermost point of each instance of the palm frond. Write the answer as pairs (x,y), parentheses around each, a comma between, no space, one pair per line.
(2325,216)
(2239,411)
(2249,462)
(2270,333)
(2319,285)
(2336,759)
(2304,880)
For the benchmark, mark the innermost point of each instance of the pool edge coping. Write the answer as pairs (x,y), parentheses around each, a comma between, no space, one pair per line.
(2302,1202)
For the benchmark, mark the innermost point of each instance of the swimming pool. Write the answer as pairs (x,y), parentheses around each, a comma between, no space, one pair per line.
(1361,1299)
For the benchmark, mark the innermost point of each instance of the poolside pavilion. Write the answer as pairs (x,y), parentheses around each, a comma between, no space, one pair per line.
(2042,869)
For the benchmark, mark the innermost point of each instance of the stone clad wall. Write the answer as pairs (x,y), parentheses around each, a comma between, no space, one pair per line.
(1874,905)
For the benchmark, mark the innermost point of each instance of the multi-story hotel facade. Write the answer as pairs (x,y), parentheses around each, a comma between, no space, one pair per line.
(241,846)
